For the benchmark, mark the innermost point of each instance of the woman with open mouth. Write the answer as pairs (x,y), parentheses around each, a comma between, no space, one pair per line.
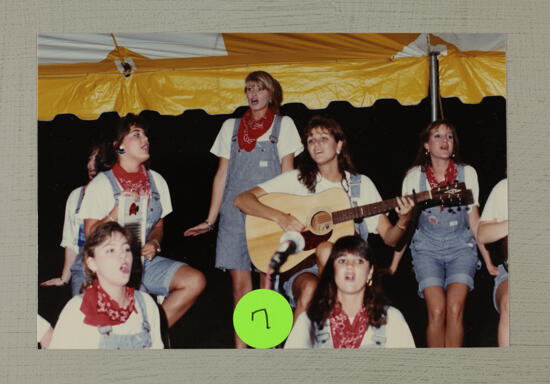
(443,248)
(348,309)
(255,148)
(129,175)
(109,314)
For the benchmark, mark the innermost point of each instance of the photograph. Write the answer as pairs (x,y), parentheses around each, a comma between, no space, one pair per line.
(351,173)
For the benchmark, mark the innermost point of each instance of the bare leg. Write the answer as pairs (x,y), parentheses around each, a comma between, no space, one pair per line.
(435,301)
(303,288)
(504,321)
(186,285)
(322,253)
(242,284)
(456,298)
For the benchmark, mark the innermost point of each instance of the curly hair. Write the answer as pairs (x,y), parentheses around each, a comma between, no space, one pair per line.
(271,84)
(307,166)
(101,233)
(325,297)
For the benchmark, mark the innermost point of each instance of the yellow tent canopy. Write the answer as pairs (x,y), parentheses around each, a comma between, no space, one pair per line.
(87,75)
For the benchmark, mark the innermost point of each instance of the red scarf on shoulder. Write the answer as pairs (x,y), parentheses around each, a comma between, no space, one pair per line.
(100,310)
(250,130)
(344,334)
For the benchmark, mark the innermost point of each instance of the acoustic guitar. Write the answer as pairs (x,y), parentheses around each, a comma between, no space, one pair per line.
(327,216)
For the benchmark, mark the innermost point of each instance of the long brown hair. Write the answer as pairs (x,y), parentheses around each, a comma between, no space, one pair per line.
(307,166)
(424,159)
(271,84)
(325,297)
(101,233)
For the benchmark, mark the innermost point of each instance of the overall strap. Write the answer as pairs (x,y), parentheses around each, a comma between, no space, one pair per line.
(140,301)
(114,184)
(235,131)
(80,198)
(154,191)
(274,137)
(105,330)
(379,339)
(354,195)
(460,171)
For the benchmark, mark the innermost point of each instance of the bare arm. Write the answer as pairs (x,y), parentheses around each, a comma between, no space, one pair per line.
(389,233)
(70,257)
(287,163)
(491,231)
(248,203)
(397,256)
(149,249)
(218,186)
(473,220)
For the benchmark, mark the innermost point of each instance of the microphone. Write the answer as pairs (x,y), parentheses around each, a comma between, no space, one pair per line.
(291,242)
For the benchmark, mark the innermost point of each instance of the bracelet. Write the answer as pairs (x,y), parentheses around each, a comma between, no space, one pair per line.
(157,249)
(210,225)
(401,227)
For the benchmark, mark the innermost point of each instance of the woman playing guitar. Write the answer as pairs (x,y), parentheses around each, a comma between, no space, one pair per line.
(326,164)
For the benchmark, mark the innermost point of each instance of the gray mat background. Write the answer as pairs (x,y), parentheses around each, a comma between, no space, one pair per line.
(528,52)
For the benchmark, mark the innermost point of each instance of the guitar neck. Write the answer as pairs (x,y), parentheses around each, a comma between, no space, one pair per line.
(374,208)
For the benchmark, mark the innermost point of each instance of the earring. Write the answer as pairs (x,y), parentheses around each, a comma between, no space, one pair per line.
(369,283)
(337,151)
(453,155)
(426,153)
(120,151)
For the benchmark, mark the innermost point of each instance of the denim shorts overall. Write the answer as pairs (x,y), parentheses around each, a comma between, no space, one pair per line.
(77,271)
(158,272)
(140,340)
(443,248)
(246,170)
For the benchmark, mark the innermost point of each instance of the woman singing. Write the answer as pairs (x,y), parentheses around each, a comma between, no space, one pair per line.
(128,158)
(348,309)
(253,149)
(443,248)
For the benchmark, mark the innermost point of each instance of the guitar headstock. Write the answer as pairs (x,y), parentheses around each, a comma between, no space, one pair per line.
(452,195)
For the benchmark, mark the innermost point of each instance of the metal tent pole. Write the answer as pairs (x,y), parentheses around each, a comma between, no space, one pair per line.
(434,85)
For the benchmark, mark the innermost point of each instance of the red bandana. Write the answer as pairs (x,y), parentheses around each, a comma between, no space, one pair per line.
(100,310)
(344,334)
(450,176)
(137,181)
(250,130)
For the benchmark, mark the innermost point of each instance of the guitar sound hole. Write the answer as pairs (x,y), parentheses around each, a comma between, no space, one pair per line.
(321,223)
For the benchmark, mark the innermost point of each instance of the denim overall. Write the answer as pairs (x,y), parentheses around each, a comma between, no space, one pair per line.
(140,340)
(246,170)
(444,239)
(354,195)
(77,270)
(324,339)
(158,272)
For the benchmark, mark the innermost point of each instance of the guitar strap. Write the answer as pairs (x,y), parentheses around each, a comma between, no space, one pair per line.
(354,195)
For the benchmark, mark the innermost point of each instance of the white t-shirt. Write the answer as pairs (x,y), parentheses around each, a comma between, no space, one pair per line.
(70,332)
(288,183)
(398,334)
(289,139)
(72,223)
(496,206)
(412,180)
(99,200)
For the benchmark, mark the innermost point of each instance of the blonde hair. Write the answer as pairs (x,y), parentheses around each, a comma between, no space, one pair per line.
(271,84)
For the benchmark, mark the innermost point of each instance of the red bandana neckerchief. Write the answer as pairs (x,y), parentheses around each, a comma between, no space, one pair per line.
(250,130)
(450,176)
(100,310)
(136,181)
(344,334)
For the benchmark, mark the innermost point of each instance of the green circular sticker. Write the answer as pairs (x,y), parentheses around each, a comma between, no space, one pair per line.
(262,318)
